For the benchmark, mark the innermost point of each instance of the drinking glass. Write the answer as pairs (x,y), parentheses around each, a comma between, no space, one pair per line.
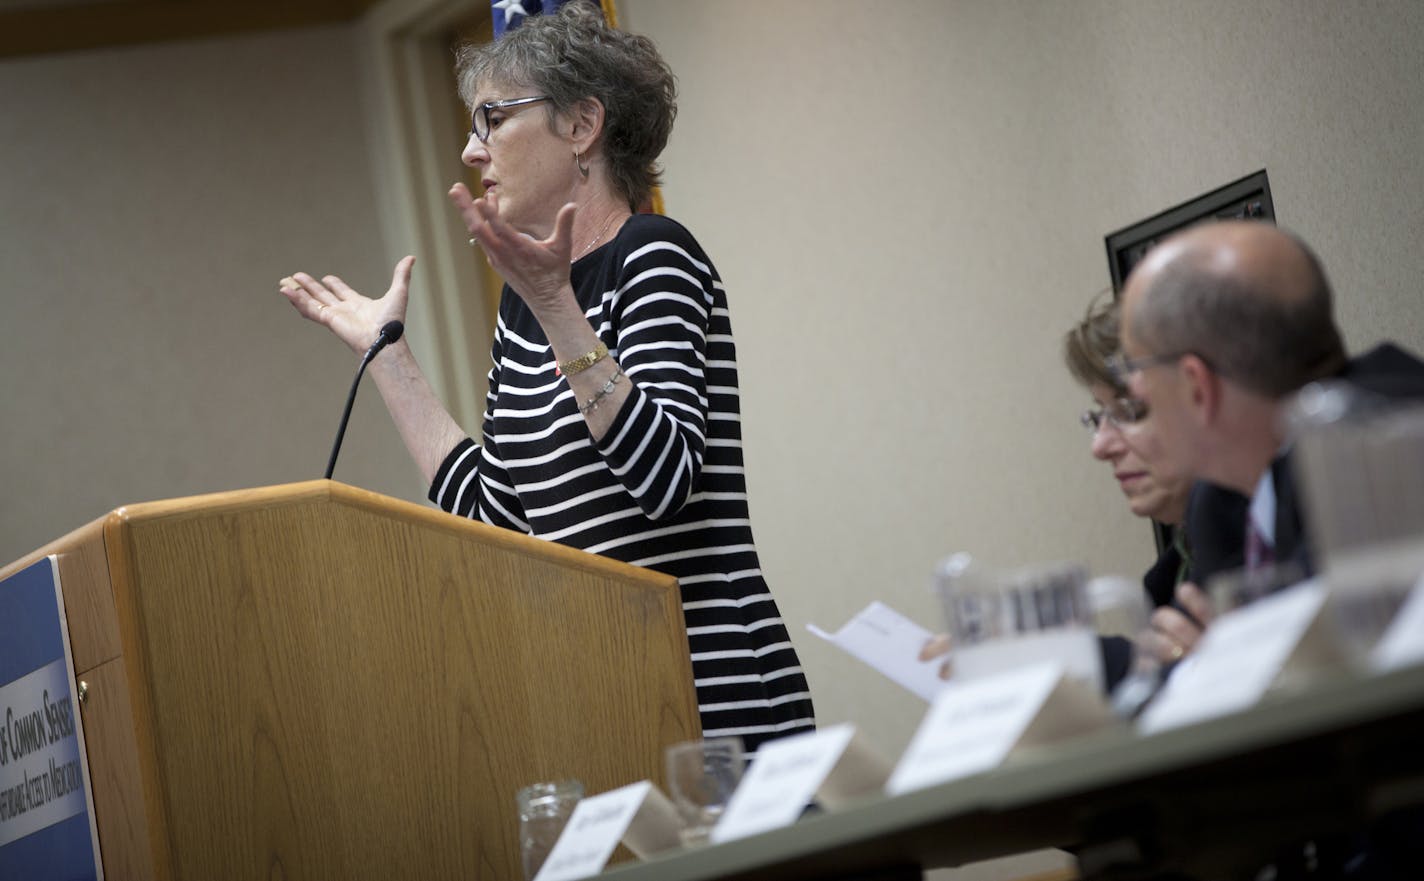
(544,810)
(1120,609)
(1004,620)
(701,775)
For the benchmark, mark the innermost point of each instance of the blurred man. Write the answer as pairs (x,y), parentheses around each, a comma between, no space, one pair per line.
(1221,324)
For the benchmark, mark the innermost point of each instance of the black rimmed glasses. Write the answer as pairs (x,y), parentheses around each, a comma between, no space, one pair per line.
(1117,413)
(480,119)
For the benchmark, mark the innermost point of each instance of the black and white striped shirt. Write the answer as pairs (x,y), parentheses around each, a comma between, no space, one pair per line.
(665,488)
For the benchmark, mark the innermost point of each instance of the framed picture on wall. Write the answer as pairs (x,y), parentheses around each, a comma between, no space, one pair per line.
(1247,198)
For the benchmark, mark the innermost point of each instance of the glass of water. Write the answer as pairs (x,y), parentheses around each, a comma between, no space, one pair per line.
(544,810)
(701,776)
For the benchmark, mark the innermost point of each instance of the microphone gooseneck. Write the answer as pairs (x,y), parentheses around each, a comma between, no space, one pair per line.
(390,332)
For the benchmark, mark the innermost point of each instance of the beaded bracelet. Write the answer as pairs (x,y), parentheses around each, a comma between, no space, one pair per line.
(592,403)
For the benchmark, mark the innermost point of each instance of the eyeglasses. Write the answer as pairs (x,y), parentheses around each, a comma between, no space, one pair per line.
(480,120)
(1121,366)
(1117,413)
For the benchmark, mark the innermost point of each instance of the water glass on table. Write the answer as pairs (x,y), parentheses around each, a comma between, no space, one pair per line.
(544,810)
(701,776)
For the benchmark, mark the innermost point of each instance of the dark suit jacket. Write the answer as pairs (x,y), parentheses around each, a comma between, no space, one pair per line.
(1216,517)
(1160,582)
(1216,531)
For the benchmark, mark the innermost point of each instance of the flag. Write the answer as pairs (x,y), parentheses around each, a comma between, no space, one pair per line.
(506,15)
(510,14)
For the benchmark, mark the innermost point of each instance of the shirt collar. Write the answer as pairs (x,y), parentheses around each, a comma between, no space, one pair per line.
(1263,507)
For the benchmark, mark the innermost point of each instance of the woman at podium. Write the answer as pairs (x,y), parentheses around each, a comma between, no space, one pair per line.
(612,418)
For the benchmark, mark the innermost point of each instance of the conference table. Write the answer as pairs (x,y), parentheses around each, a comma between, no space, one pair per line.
(1217,799)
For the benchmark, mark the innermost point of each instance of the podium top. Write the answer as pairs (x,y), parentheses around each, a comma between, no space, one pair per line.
(239,501)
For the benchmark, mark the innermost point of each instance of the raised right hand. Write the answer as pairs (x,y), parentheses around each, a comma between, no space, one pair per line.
(335,305)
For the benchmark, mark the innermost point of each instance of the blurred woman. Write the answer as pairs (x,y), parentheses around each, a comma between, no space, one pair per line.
(1181,607)
(612,419)
(1087,348)
(1161,497)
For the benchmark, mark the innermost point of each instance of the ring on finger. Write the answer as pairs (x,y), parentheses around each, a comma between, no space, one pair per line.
(1177,651)
(474,240)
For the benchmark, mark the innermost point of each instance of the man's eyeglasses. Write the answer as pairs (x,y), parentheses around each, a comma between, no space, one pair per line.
(1121,366)
(1117,413)
(480,119)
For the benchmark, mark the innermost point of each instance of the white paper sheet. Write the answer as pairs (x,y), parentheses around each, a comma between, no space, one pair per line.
(890,643)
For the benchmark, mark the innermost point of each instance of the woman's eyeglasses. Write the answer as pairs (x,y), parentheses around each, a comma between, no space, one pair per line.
(480,119)
(1118,413)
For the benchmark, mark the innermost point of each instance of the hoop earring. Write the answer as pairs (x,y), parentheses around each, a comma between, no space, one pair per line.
(578,161)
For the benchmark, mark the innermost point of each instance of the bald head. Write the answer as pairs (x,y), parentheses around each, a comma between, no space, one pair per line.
(1249,299)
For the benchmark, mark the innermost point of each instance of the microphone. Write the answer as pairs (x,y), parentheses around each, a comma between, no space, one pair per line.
(390,332)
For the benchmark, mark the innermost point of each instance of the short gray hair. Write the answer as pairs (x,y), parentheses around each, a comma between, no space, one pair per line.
(1268,341)
(572,55)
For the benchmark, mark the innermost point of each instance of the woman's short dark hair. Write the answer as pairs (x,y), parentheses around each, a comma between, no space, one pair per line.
(1091,342)
(573,54)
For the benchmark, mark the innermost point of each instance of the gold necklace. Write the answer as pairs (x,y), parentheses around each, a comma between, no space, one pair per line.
(597,236)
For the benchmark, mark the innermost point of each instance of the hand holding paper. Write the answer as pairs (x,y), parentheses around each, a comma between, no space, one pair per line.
(890,643)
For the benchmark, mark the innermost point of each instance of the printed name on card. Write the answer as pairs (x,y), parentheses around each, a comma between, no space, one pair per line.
(973,725)
(638,814)
(833,764)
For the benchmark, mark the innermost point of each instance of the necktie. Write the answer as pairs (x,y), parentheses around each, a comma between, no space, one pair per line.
(1259,553)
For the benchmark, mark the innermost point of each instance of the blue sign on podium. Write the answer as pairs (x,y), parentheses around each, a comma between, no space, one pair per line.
(46,810)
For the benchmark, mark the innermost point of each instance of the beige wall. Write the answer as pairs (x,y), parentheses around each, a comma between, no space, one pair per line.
(150,199)
(907,202)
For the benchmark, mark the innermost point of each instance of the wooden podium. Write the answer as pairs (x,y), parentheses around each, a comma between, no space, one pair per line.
(317,682)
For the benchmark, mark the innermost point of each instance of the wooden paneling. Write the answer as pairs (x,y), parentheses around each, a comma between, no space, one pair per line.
(114,774)
(89,601)
(334,684)
(317,682)
(37,29)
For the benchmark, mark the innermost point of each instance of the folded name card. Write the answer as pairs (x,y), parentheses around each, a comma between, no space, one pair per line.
(638,814)
(655,826)
(859,773)
(1403,643)
(974,724)
(833,764)
(1241,654)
